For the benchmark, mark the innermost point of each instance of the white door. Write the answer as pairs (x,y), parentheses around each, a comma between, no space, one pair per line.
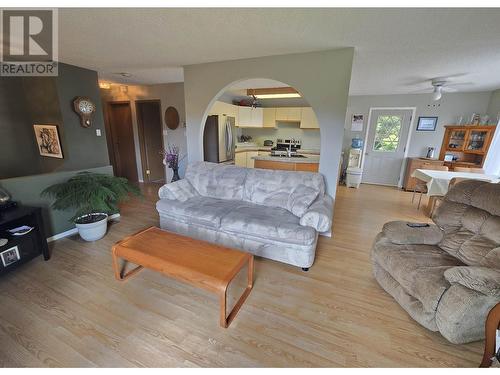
(385,146)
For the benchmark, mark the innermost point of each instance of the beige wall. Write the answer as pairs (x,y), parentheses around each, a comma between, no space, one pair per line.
(321,77)
(170,94)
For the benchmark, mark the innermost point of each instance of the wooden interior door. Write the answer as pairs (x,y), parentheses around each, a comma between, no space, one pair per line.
(151,139)
(121,140)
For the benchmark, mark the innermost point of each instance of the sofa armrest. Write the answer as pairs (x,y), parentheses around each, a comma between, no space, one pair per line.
(398,232)
(180,190)
(319,214)
(481,279)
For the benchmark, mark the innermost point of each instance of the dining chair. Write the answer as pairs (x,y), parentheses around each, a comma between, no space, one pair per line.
(468,169)
(422,185)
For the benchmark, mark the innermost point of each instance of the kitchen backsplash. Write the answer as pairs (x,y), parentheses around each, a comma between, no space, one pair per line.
(310,138)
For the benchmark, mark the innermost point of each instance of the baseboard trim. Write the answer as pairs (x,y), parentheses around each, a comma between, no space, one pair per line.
(73,231)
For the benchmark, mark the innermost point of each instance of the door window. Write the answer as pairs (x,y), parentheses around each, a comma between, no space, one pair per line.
(387,133)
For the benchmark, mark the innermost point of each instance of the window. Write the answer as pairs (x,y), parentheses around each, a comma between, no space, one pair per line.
(387,133)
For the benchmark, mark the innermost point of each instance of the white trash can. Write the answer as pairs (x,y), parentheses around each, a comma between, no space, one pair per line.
(353,177)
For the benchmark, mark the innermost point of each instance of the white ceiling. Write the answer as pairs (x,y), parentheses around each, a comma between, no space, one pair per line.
(395,49)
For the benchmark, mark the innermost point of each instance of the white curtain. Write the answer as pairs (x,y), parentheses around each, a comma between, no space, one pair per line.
(492,163)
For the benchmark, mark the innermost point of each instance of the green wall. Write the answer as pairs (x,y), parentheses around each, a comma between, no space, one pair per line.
(48,100)
(26,190)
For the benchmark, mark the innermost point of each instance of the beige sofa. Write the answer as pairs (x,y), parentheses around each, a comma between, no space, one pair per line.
(446,276)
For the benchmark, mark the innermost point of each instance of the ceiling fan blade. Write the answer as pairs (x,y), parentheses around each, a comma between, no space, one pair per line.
(449,89)
(422,91)
(459,84)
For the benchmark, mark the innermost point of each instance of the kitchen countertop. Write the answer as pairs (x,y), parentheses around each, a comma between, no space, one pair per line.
(308,159)
(252,148)
(262,148)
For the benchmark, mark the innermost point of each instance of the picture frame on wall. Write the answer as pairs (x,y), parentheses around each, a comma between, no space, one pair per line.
(48,141)
(426,124)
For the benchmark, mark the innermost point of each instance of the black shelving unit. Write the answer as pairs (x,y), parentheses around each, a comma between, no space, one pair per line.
(30,245)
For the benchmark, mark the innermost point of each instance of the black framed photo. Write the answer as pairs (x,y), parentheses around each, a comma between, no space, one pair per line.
(427,124)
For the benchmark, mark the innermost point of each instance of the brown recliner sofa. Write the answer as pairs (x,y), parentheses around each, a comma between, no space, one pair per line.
(447,275)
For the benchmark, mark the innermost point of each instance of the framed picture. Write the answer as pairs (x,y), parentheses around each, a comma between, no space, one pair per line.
(10,256)
(427,124)
(357,123)
(47,138)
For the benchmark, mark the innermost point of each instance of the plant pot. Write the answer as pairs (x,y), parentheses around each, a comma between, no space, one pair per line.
(92,227)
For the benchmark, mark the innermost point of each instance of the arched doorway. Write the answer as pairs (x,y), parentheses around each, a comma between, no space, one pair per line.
(261,123)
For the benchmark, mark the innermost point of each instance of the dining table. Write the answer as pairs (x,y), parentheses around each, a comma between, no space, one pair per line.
(438,182)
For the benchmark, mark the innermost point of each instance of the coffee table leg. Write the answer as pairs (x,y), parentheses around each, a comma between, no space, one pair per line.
(225,322)
(118,272)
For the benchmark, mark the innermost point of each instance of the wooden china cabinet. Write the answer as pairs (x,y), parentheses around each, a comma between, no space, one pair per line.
(469,145)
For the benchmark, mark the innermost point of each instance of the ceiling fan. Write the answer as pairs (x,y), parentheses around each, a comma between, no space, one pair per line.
(441,85)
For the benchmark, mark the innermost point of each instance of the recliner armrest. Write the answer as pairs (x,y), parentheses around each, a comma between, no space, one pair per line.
(481,279)
(319,214)
(180,190)
(398,232)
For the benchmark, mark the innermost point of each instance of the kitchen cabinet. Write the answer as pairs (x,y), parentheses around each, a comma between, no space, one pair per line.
(244,158)
(221,108)
(269,115)
(308,119)
(286,166)
(289,114)
(249,156)
(250,117)
(240,159)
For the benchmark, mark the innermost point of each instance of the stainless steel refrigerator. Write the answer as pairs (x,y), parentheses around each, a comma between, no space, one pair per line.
(219,139)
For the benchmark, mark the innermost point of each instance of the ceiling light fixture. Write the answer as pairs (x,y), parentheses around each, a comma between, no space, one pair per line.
(274,93)
(437,94)
(105,85)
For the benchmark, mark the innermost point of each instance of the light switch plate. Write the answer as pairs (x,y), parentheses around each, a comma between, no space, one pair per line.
(98,132)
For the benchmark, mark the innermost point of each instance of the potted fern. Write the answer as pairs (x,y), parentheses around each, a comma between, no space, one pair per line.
(94,196)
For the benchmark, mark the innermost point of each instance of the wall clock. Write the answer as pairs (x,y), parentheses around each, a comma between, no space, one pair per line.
(171,118)
(85,108)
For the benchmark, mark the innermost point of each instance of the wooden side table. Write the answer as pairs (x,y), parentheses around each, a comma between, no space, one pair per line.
(199,263)
(492,325)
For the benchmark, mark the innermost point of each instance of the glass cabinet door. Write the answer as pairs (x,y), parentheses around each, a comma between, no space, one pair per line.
(476,140)
(456,140)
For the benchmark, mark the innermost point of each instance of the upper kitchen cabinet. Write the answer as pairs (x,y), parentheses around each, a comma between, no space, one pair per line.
(221,108)
(269,117)
(250,117)
(289,114)
(308,119)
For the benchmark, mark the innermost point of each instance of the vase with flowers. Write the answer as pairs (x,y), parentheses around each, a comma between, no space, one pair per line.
(171,158)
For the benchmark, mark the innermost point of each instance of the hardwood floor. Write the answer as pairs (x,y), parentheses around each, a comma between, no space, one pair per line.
(70,311)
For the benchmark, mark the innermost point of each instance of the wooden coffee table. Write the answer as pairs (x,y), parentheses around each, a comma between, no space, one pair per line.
(201,264)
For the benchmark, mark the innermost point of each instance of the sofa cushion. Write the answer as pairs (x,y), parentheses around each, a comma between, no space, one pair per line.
(419,269)
(469,217)
(300,199)
(216,180)
(482,279)
(319,215)
(180,190)
(268,223)
(274,187)
(198,210)
(399,232)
